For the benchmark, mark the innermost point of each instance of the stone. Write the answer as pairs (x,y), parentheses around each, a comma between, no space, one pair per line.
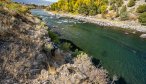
(44,74)
(143,36)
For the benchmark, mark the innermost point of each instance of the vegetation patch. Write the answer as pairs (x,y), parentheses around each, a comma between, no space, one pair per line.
(142,18)
(53,36)
(17,7)
(141,8)
(123,13)
(13,7)
(1,3)
(48,47)
(87,7)
(131,3)
(66,46)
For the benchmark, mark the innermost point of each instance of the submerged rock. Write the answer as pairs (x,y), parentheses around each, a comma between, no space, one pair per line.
(143,36)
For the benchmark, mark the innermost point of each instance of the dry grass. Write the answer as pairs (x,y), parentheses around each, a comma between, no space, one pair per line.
(20,45)
(52,70)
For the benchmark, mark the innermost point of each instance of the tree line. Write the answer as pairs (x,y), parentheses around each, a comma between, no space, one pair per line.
(86,7)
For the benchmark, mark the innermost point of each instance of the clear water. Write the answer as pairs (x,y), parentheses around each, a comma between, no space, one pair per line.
(121,54)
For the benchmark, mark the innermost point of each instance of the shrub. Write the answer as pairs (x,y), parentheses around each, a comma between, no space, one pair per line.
(14,7)
(112,2)
(48,47)
(77,52)
(117,13)
(17,7)
(131,3)
(92,12)
(1,3)
(123,13)
(141,8)
(23,9)
(124,16)
(83,9)
(66,46)
(53,36)
(123,9)
(112,7)
(119,3)
(103,9)
(142,18)
(92,9)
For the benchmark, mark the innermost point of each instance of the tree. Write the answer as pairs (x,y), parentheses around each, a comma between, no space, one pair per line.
(103,9)
(99,4)
(86,7)
(83,9)
(123,9)
(113,7)
(142,18)
(131,3)
(78,3)
(123,13)
(119,3)
(141,8)
(93,9)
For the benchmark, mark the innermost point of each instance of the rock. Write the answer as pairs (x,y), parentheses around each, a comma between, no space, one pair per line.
(126,33)
(81,71)
(98,19)
(59,57)
(143,36)
(41,58)
(44,75)
(134,32)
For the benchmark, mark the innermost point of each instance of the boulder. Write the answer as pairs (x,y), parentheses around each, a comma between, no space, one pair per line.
(143,36)
(44,74)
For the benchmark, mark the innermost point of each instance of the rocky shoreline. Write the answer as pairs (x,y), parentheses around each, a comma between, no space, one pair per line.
(132,25)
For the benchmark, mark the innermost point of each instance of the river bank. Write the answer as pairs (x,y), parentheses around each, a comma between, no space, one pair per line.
(132,25)
(29,56)
(105,44)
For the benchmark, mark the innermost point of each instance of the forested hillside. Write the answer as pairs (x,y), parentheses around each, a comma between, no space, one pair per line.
(88,7)
(109,9)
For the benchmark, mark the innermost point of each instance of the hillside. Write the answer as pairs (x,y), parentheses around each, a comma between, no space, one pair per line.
(28,55)
(36,2)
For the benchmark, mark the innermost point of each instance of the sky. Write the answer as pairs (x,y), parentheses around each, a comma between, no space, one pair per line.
(52,0)
(37,2)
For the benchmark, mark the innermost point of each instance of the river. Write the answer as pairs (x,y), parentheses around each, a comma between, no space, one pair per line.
(121,54)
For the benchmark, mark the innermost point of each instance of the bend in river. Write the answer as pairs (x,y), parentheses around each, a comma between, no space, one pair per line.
(121,54)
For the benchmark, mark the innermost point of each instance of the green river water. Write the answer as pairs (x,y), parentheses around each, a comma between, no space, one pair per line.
(121,54)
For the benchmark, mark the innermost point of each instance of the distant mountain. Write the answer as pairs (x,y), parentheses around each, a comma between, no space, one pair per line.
(37,2)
